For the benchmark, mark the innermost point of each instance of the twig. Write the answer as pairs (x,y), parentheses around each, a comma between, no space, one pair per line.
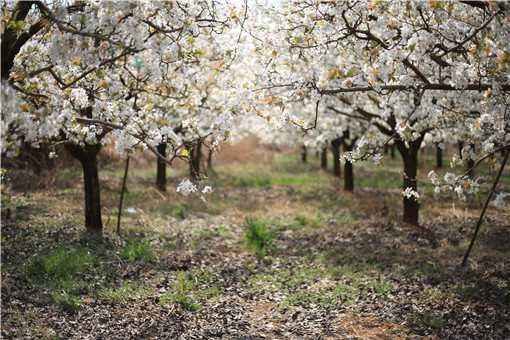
(122,190)
(477,229)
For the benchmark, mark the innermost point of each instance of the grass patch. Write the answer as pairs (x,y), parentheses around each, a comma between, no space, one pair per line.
(258,238)
(345,217)
(137,249)
(66,302)
(378,182)
(252,182)
(127,291)
(60,264)
(191,290)
(324,286)
(338,294)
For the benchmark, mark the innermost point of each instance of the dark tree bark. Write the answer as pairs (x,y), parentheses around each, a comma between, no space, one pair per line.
(348,169)
(439,157)
(161,168)
(304,154)
(195,159)
(324,158)
(12,41)
(335,147)
(460,146)
(410,158)
(392,151)
(87,155)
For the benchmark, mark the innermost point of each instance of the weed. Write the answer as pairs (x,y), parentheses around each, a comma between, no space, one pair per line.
(124,293)
(66,302)
(180,211)
(258,237)
(181,294)
(301,220)
(137,249)
(191,289)
(61,264)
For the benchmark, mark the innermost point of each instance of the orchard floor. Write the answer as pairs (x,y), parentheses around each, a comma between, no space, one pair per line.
(340,266)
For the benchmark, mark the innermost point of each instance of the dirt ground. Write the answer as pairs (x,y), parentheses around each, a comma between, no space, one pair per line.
(334,265)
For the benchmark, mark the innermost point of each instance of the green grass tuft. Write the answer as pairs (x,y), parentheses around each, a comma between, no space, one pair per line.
(258,238)
(60,264)
(124,293)
(252,181)
(137,249)
(66,302)
(181,294)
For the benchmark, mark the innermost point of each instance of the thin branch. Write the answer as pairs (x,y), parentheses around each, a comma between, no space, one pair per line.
(480,220)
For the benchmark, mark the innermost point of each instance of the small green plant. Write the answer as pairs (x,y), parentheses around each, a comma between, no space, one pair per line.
(60,264)
(181,294)
(66,302)
(124,293)
(258,237)
(180,211)
(137,249)
(301,220)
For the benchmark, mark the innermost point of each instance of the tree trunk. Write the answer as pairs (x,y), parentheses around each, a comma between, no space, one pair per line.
(348,170)
(392,152)
(87,155)
(303,154)
(324,158)
(161,168)
(460,146)
(439,157)
(410,158)
(195,159)
(335,147)
(209,159)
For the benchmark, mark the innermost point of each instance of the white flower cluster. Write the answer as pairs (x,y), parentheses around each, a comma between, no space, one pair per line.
(187,187)
(460,185)
(411,194)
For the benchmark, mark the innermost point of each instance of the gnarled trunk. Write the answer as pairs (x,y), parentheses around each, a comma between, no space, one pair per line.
(335,147)
(87,155)
(410,158)
(161,168)
(324,158)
